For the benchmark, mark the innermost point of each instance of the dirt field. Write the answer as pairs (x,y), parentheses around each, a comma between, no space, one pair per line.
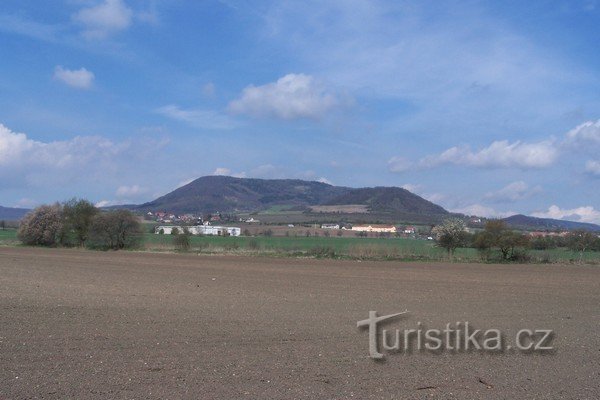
(83,324)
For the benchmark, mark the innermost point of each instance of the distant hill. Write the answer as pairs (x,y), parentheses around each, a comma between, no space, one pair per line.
(388,199)
(229,194)
(226,193)
(524,222)
(12,214)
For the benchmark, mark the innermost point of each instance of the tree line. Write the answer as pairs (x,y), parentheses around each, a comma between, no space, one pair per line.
(78,223)
(498,241)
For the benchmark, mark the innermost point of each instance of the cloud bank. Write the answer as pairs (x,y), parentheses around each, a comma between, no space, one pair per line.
(291,97)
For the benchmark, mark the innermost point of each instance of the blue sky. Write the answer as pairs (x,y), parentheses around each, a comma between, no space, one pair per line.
(487,108)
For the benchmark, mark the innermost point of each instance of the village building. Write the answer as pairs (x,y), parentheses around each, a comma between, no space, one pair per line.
(330,226)
(374,228)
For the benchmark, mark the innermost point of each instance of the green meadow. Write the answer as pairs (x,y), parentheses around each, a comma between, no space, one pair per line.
(348,247)
(332,247)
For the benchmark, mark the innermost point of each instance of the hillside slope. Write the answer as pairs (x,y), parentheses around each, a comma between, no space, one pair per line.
(388,199)
(12,214)
(229,194)
(525,222)
(225,193)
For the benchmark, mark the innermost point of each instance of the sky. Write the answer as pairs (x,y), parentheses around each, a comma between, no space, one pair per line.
(488,108)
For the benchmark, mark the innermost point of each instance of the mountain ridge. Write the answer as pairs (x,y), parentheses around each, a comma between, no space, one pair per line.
(12,213)
(525,221)
(230,194)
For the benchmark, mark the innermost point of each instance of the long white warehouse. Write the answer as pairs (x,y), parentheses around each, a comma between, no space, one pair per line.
(201,230)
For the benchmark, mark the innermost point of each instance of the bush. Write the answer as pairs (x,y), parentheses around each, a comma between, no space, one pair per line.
(115,230)
(77,217)
(181,241)
(253,244)
(231,246)
(42,226)
(322,252)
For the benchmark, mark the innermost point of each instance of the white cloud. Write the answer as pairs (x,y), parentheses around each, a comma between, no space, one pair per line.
(26,203)
(579,214)
(399,164)
(130,191)
(32,29)
(104,19)
(16,150)
(291,97)
(209,89)
(205,119)
(324,180)
(29,163)
(77,78)
(414,188)
(585,134)
(500,154)
(108,203)
(482,211)
(593,167)
(267,171)
(185,182)
(436,198)
(222,171)
(513,192)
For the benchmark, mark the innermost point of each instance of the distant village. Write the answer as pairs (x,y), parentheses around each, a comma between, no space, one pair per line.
(219,224)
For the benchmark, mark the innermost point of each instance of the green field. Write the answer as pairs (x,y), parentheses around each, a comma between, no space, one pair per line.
(344,247)
(8,237)
(365,248)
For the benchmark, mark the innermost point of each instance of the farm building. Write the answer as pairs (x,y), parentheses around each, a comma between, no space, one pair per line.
(374,228)
(330,226)
(201,230)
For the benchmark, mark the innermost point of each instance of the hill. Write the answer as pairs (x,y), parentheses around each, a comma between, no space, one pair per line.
(229,194)
(388,199)
(525,222)
(12,214)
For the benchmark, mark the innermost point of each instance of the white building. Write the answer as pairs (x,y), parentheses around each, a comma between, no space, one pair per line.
(209,230)
(330,226)
(374,228)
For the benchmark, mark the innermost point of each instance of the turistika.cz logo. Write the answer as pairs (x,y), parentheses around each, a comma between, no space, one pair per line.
(454,337)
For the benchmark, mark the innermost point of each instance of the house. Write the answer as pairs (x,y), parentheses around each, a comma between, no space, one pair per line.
(409,230)
(374,228)
(252,221)
(330,226)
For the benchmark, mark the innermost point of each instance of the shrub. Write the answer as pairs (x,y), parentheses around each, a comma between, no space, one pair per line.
(42,226)
(115,230)
(451,234)
(253,244)
(181,241)
(77,219)
(231,246)
(322,252)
